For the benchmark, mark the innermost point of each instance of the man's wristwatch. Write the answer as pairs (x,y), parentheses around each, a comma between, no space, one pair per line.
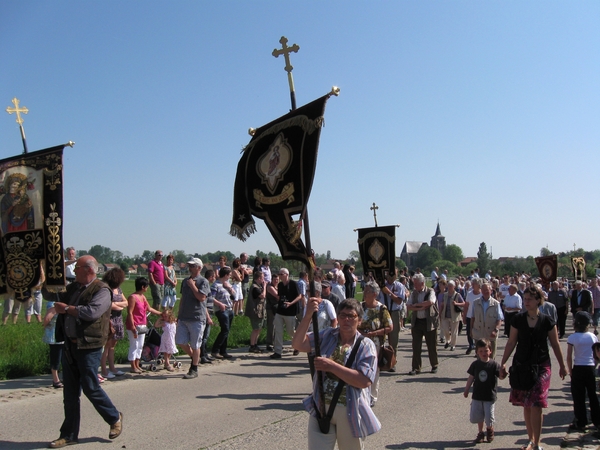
(67,309)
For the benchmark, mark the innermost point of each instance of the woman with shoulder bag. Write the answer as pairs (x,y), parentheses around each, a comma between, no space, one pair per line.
(376,323)
(530,373)
(137,306)
(348,364)
(451,309)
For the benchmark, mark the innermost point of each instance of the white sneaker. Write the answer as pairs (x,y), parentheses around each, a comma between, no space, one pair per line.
(118,373)
(110,375)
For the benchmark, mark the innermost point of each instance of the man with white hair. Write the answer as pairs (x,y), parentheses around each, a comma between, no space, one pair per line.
(191,319)
(83,324)
(485,315)
(337,285)
(424,323)
(581,299)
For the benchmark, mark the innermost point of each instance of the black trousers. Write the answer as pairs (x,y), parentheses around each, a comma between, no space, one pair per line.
(583,379)
(562,320)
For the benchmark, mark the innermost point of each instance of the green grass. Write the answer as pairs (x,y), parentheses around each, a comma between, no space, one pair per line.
(22,352)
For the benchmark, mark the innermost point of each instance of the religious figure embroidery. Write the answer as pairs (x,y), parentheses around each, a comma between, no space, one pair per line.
(16,206)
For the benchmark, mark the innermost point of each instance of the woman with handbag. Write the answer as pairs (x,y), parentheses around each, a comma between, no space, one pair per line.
(376,323)
(348,363)
(530,373)
(255,308)
(451,308)
(137,324)
(114,278)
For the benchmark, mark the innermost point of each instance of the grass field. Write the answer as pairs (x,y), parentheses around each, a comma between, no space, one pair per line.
(22,352)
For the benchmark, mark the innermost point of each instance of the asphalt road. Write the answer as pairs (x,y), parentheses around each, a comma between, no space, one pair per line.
(254,403)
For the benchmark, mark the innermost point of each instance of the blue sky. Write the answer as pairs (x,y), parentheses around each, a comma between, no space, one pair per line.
(482,115)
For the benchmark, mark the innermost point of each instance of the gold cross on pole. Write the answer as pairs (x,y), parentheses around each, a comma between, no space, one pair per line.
(374,208)
(18,112)
(285,51)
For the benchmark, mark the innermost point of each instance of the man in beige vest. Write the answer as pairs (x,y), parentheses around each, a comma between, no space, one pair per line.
(486,317)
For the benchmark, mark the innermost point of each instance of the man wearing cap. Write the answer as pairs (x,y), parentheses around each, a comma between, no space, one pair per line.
(328,295)
(191,319)
(156,276)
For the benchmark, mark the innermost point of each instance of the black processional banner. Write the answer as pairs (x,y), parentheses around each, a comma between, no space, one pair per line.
(547,266)
(377,247)
(31,203)
(274,178)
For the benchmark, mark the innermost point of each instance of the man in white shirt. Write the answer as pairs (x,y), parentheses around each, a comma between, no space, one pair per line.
(472,295)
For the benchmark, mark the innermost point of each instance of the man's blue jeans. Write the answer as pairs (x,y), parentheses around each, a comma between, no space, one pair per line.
(225,318)
(80,372)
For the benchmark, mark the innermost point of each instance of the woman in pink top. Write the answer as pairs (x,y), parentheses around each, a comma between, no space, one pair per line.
(137,306)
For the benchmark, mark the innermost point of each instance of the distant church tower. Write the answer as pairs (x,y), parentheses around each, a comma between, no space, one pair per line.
(438,241)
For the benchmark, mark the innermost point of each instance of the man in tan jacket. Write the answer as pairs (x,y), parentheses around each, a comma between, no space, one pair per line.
(486,317)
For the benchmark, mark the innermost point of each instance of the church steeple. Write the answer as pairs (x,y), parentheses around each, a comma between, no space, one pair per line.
(438,241)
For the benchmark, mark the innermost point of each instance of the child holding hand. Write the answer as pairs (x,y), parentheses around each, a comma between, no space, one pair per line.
(167,341)
(483,375)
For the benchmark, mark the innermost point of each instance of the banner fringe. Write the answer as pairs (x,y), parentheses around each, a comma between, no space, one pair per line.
(242,233)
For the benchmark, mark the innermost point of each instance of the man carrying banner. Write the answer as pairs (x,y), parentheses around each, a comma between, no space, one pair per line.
(83,324)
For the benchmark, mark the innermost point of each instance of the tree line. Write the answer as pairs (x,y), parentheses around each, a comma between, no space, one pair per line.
(427,259)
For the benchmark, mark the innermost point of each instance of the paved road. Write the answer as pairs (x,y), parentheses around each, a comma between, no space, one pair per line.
(254,402)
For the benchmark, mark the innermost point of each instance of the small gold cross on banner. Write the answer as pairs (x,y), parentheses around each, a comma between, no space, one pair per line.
(17,110)
(285,51)
(374,208)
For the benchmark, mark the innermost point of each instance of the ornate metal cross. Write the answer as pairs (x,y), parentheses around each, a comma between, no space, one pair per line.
(374,208)
(285,51)
(18,111)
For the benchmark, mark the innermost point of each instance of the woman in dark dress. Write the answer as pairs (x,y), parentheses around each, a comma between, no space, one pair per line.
(530,332)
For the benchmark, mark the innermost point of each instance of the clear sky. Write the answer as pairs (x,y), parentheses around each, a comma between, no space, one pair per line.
(482,115)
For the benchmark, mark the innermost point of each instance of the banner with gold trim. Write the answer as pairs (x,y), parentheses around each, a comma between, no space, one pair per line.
(377,248)
(547,267)
(31,207)
(274,178)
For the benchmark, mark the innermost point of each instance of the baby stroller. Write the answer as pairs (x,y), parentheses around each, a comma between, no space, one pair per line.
(150,353)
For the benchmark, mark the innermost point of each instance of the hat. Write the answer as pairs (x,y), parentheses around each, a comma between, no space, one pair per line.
(582,319)
(195,262)
(325,283)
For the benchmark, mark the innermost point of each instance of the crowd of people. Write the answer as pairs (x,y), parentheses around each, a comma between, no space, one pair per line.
(84,324)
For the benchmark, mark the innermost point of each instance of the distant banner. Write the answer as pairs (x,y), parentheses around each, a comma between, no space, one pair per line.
(377,247)
(547,267)
(31,206)
(274,178)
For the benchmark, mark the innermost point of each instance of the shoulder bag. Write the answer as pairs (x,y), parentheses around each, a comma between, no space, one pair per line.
(325,422)
(523,376)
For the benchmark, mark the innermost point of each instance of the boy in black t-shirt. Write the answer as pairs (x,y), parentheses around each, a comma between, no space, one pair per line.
(483,375)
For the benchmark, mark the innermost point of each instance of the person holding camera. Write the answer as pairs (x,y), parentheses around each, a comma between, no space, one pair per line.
(287,308)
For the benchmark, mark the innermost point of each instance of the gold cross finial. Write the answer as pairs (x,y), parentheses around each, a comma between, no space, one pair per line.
(285,51)
(374,208)
(17,110)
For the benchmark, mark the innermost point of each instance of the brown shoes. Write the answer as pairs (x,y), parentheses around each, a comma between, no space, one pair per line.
(116,428)
(62,442)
